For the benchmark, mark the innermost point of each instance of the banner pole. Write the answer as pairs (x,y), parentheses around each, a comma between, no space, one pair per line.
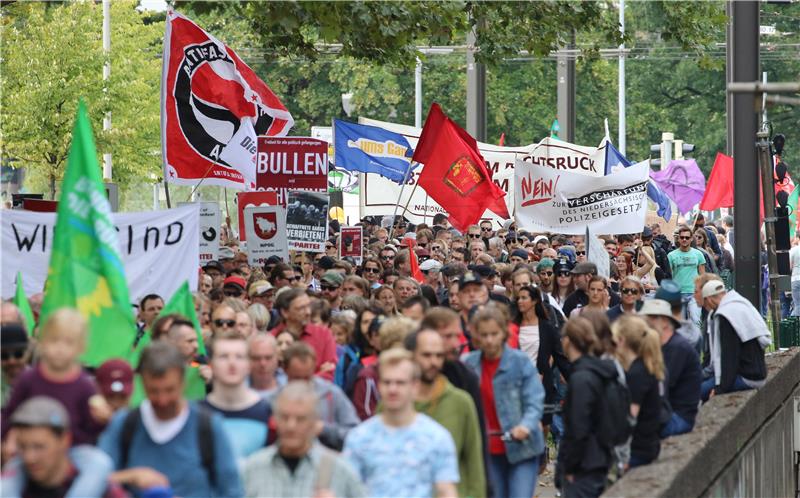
(397,205)
(227,212)
(166,193)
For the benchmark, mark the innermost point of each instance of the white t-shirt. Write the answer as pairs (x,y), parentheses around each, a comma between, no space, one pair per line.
(529,341)
(794,259)
(162,431)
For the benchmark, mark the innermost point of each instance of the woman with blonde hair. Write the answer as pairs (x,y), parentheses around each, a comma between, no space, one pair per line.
(639,352)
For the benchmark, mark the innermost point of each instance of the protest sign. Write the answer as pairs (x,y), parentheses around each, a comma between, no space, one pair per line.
(307,221)
(549,200)
(159,249)
(350,242)
(210,222)
(379,195)
(246,199)
(266,233)
(295,163)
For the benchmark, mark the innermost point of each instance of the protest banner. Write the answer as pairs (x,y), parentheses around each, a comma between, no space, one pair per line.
(246,199)
(294,163)
(266,233)
(350,242)
(379,195)
(307,221)
(210,222)
(159,249)
(549,200)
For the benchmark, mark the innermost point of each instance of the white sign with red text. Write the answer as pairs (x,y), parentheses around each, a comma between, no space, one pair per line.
(550,200)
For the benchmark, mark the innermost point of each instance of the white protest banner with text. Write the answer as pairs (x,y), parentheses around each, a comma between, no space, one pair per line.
(266,233)
(550,200)
(160,249)
(210,219)
(307,221)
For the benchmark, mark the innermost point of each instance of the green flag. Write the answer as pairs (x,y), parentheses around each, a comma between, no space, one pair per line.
(182,303)
(792,203)
(24,306)
(86,271)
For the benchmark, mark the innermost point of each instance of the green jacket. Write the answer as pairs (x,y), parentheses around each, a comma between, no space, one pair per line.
(454,410)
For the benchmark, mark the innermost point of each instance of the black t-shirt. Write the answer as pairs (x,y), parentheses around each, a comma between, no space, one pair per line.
(644,392)
(683,377)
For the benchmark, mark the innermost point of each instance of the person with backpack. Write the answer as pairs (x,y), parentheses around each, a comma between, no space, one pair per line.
(595,414)
(513,402)
(170,437)
(639,351)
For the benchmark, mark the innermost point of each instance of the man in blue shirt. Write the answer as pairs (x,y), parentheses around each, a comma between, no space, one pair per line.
(401,452)
(169,436)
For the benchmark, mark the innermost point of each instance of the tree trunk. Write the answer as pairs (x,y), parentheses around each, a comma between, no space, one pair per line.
(52,187)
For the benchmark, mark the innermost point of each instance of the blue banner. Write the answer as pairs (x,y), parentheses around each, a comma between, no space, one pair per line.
(370,149)
(615,159)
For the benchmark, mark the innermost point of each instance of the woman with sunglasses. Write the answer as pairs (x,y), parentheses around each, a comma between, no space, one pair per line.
(700,239)
(631,293)
(541,342)
(580,252)
(563,285)
(371,270)
(512,397)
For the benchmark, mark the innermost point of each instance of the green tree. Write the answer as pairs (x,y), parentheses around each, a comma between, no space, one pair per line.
(52,56)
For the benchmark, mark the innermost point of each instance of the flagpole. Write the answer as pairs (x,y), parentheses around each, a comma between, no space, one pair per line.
(166,193)
(402,189)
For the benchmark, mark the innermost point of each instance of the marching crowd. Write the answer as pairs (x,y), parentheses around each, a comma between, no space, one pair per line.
(440,364)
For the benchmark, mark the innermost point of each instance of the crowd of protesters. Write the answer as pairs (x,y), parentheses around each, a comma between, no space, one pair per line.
(328,376)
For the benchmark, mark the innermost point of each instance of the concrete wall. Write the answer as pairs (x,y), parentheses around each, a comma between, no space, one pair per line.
(740,445)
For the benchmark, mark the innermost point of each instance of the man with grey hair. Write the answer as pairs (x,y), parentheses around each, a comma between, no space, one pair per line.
(266,376)
(497,250)
(298,465)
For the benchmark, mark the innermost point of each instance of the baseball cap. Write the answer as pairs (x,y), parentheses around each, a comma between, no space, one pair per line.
(468,278)
(234,280)
(214,265)
(259,288)
(584,268)
(658,307)
(41,411)
(326,262)
(333,278)
(669,291)
(114,376)
(712,288)
(520,253)
(226,252)
(430,264)
(13,336)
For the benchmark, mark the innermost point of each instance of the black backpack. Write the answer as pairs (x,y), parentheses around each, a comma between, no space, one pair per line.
(616,422)
(205,440)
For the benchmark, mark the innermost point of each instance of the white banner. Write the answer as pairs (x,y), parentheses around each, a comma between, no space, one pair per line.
(210,222)
(160,249)
(379,195)
(550,200)
(266,233)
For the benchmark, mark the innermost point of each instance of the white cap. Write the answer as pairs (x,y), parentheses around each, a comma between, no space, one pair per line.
(712,288)
(430,264)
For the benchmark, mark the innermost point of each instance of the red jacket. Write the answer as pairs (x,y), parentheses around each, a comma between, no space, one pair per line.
(320,338)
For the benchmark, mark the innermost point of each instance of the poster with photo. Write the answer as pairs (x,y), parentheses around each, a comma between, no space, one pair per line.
(307,221)
(351,243)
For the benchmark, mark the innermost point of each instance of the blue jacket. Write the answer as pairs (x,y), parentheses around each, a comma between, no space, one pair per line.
(519,400)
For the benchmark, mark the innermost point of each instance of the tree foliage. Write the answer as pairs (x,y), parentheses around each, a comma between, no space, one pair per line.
(52,56)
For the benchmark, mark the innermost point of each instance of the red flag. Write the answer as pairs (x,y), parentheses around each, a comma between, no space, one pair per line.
(502,140)
(416,273)
(213,107)
(455,173)
(719,188)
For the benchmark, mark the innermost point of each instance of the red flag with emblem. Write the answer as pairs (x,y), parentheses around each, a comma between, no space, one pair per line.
(455,173)
(213,106)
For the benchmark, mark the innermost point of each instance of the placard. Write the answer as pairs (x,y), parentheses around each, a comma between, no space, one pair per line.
(245,199)
(307,221)
(210,223)
(295,163)
(351,243)
(265,227)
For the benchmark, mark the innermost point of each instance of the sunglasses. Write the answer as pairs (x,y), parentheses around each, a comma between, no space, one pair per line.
(683,237)
(387,258)
(329,247)
(629,290)
(225,323)
(328,287)
(486,229)
(17,354)
(546,273)
(564,274)
(474,236)
(580,253)
(232,293)
(420,244)
(372,270)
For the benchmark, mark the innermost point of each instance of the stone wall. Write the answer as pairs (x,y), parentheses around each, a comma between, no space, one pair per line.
(732,450)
